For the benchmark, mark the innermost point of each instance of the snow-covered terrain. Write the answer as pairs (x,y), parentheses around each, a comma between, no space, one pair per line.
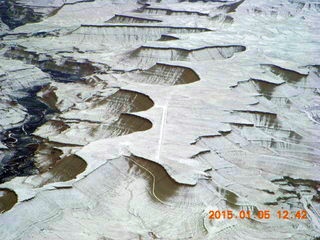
(156,113)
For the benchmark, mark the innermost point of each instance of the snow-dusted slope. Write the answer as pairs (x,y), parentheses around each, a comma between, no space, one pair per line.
(180,108)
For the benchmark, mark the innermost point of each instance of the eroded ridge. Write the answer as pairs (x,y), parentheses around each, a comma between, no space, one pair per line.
(125,101)
(122,125)
(223,18)
(263,87)
(244,138)
(128,34)
(14,15)
(64,69)
(64,169)
(146,56)
(161,185)
(63,134)
(128,123)
(84,113)
(165,11)
(99,116)
(229,8)
(164,74)
(288,75)
(273,123)
(166,190)
(114,101)
(166,37)
(118,18)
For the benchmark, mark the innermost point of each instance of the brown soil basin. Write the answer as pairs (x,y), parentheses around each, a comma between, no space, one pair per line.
(128,123)
(124,101)
(8,199)
(163,74)
(64,170)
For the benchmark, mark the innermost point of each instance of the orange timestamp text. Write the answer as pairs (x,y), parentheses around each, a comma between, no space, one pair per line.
(260,214)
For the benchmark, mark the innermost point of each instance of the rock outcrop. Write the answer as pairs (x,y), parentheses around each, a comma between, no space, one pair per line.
(135,119)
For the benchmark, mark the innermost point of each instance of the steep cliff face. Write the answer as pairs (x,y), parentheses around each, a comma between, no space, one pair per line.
(14,14)
(135,119)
